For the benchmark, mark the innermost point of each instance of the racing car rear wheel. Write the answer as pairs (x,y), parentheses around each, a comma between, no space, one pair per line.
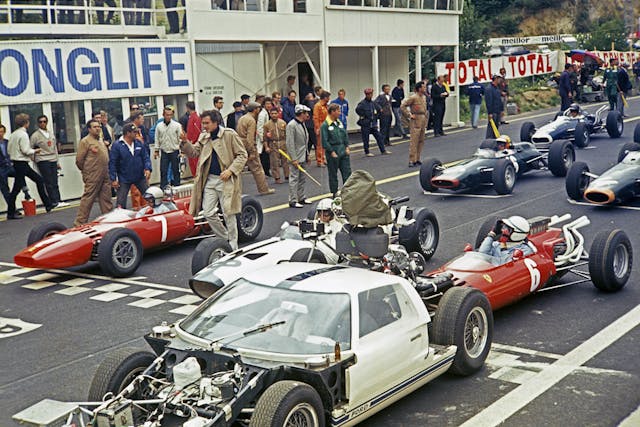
(488,225)
(249,220)
(614,124)
(302,255)
(610,260)
(423,235)
(526,131)
(582,136)
(43,230)
(288,403)
(429,169)
(577,181)
(209,251)
(561,157)
(504,176)
(120,252)
(636,133)
(464,318)
(629,146)
(117,370)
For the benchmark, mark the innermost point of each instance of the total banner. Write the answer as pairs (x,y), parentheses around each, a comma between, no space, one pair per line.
(531,64)
(628,57)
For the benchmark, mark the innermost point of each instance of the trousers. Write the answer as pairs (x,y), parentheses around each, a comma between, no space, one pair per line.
(99,191)
(367,130)
(212,201)
(23,170)
(169,160)
(341,163)
(417,129)
(123,191)
(49,172)
(296,185)
(277,160)
(254,165)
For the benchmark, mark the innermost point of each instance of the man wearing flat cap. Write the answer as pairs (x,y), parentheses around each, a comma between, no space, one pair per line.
(297,138)
(246,128)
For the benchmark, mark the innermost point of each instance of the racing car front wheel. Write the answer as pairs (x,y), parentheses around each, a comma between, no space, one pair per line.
(249,220)
(610,260)
(120,252)
(429,169)
(117,370)
(581,135)
(464,319)
(208,251)
(526,131)
(422,235)
(636,133)
(614,124)
(561,157)
(577,180)
(288,403)
(43,230)
(504,176)
(626,148)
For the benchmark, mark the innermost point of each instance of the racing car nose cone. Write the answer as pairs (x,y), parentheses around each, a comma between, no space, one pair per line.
(599,196)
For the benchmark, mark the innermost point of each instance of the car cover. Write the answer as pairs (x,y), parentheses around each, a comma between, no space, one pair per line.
(362,203)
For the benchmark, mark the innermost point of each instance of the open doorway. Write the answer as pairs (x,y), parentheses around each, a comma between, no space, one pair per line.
(305,79)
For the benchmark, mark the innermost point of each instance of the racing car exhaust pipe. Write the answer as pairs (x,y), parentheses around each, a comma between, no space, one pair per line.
(601,197)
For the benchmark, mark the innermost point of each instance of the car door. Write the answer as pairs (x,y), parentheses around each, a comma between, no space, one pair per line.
(390,343)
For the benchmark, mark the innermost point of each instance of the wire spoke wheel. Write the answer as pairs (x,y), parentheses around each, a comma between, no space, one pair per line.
(427,235)
(475,332)
(302,415)
(510,177)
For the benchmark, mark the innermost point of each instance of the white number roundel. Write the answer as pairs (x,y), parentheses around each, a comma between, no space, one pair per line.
(534,273)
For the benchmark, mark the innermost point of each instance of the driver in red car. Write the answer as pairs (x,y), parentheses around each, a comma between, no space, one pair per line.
(508,235)
(155,203)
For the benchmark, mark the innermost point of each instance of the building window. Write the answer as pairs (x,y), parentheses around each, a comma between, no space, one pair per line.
(33,110)
(300,6)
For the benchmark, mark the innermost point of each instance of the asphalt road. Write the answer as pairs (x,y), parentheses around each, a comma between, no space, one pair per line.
(564,357)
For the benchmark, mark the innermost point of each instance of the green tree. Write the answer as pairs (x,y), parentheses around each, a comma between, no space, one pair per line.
(603,35)
(473,30)
(582,22)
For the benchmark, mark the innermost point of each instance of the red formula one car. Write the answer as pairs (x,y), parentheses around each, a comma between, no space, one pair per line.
(557,251)
(118,239)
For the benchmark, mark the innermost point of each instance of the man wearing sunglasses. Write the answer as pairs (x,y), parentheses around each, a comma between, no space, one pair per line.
(47,159)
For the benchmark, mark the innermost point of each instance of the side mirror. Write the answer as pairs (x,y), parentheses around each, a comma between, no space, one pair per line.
(468,247)
(518,255)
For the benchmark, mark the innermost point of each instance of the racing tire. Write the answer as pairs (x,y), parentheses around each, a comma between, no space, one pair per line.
(577,182)
(488,225)
(120,252)
(610,260)
(117,370)
(636,134)
(626,148)
(428,170)
(423,235)
(582,136)
(526,131)
(287,401)
(302,255)
(614,124)
(250,220)
(504,176)
(208,251)
(464,318)
(561,157)
(44,230)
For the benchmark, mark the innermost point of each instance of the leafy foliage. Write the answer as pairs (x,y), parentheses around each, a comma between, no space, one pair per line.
(473,32)
(604,34)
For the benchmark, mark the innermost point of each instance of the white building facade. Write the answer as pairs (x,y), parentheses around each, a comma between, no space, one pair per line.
(69,61)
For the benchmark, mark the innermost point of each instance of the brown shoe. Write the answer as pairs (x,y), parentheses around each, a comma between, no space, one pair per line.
(278,181)
(269,191)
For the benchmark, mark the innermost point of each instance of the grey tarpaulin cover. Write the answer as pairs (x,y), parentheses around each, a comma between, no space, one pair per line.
(362,203)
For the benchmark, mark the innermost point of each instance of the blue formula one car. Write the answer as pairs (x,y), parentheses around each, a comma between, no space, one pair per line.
(576,125)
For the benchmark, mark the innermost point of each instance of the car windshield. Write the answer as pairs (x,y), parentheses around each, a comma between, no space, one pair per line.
(307,322)
(472,261)
(117,215)
(485,153)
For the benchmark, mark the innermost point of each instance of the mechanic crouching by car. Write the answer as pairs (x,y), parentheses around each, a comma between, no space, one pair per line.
(218,180)
(511,235)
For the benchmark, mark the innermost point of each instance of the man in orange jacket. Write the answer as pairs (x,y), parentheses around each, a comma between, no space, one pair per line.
(319,116)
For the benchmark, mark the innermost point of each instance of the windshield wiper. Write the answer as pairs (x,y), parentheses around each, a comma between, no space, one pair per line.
(215,345)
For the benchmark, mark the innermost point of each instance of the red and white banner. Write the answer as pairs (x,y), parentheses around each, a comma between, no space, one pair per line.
(628,57)
(518,66)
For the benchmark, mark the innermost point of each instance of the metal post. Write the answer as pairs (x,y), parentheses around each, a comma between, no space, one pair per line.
(375,68)
(418,63)
(456,61)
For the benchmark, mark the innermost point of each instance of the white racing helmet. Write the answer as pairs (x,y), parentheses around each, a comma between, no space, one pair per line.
(325,204)
(519,228)
(154,195)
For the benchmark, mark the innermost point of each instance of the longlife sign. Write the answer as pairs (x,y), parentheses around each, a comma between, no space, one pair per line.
(73,70)
(518,66)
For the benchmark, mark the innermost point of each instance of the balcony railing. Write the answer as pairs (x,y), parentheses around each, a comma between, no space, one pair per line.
(97,12)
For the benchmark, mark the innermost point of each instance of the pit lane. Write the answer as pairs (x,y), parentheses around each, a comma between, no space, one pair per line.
(57,359)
